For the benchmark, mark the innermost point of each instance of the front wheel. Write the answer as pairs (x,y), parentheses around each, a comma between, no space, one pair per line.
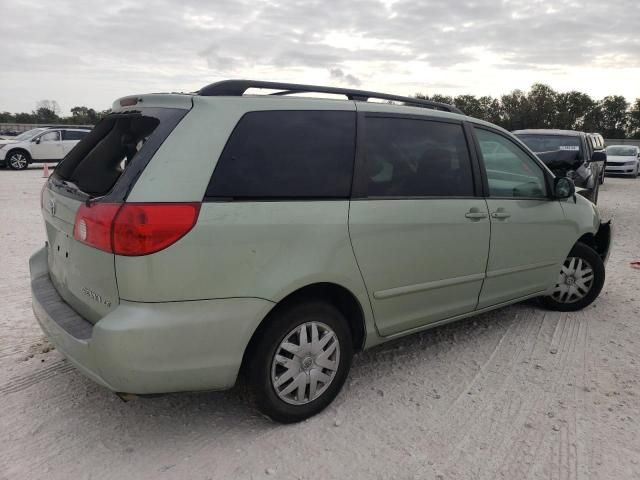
(580,281)
(18,160)
(301,362)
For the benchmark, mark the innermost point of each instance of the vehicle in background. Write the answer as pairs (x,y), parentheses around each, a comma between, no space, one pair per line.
(23,136)
(49,144)
(568,154)
(598,144)
(260,233)
(623,160)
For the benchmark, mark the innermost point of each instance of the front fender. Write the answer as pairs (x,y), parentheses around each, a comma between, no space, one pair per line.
(603,240)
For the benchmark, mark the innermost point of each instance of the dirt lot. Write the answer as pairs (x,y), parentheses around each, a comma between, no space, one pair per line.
(518,393)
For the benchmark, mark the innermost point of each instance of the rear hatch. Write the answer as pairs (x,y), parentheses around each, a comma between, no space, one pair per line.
(100,170)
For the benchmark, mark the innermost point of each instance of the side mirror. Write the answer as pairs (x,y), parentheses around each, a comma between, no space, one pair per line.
(598,156)
(563,187)
(37,141)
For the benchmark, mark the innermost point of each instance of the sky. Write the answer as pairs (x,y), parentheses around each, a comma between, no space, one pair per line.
(86,52)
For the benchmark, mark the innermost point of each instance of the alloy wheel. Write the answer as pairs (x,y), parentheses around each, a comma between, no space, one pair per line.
(18,161)
(305,363)
(574,282)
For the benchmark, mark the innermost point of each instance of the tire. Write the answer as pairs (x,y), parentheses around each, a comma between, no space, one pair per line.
(283,403)
(18,159)
(568,296)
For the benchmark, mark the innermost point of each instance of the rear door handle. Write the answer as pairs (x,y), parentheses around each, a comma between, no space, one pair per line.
(500,215)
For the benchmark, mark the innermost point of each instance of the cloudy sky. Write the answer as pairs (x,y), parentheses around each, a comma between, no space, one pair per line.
(86,52)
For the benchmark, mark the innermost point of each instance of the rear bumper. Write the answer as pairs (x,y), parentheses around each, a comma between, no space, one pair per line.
(146,348)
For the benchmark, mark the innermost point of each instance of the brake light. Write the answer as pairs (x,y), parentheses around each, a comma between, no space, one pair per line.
(134,229)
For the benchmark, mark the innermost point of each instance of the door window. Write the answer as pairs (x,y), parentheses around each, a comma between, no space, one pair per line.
(510,171)
(50,137)
(416,158)
(74,134)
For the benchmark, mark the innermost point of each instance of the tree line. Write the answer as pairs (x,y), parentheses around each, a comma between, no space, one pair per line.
(540,107)
(543,107)
(48,112)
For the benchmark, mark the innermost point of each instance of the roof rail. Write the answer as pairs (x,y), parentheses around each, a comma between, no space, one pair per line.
(236,88)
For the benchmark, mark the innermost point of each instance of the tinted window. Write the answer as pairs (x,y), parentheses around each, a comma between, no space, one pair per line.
(287,154)
(74,135)
(550,143)
(416,158)
(510,171)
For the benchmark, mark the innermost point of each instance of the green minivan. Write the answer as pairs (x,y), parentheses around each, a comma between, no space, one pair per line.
(192,237)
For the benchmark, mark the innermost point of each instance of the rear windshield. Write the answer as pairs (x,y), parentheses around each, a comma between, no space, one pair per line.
(550,143)
(116,144)
(622,151)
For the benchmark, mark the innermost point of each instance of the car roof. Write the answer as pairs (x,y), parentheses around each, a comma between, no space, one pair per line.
(549,131)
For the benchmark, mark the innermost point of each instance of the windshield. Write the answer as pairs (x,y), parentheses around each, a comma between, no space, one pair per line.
(622,151)
(550,143)
(29,134)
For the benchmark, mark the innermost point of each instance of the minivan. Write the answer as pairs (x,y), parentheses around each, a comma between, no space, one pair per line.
(195,237)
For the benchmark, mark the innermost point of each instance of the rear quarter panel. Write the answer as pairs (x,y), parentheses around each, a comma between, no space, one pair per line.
(264,249)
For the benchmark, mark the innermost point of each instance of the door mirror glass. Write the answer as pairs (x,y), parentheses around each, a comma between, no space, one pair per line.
(599,156)
(563,187)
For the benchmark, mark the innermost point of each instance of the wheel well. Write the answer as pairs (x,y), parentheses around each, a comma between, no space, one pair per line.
(338,296)
(18,150)
(599,242)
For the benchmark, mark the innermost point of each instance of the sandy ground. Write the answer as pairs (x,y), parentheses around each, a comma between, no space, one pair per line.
(514,394)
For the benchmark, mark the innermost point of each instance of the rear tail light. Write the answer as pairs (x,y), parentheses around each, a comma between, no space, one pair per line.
(134,229)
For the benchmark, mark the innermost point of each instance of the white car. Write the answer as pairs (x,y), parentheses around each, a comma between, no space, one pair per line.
(39,145)
(623,160)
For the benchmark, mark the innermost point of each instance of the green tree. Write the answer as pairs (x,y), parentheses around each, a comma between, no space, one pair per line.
(572,109)
(7,117)
(84,116)
(634,120)
(542,107)
(615,116)
(515,111)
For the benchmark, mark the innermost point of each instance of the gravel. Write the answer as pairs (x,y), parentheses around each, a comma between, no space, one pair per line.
(467,400)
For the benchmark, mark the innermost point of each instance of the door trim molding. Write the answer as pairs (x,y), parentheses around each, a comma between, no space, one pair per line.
(520,268)
(420,287)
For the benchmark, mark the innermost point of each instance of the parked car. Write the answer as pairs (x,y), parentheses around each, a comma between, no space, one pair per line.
(598,144)
(568,153)
(277,235)
(39,145)
(623,159)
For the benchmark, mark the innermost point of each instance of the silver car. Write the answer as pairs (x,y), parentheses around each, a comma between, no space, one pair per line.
(623,160)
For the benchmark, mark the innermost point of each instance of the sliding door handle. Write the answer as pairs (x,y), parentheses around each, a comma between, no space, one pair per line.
(500,215)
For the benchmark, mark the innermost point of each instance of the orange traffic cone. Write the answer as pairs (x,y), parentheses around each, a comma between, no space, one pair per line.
(45,172)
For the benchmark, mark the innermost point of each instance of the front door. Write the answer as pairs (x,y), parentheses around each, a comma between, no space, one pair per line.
(529,236)
(48,146)
(419,233)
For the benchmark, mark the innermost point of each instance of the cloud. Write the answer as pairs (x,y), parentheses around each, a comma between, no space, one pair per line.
(183,44)
(340,76)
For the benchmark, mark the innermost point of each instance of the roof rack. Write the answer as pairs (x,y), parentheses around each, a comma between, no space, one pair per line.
(236,88)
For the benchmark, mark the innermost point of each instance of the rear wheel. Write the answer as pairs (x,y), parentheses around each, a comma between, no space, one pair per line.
(18,159)
(580,280)
(301,362)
